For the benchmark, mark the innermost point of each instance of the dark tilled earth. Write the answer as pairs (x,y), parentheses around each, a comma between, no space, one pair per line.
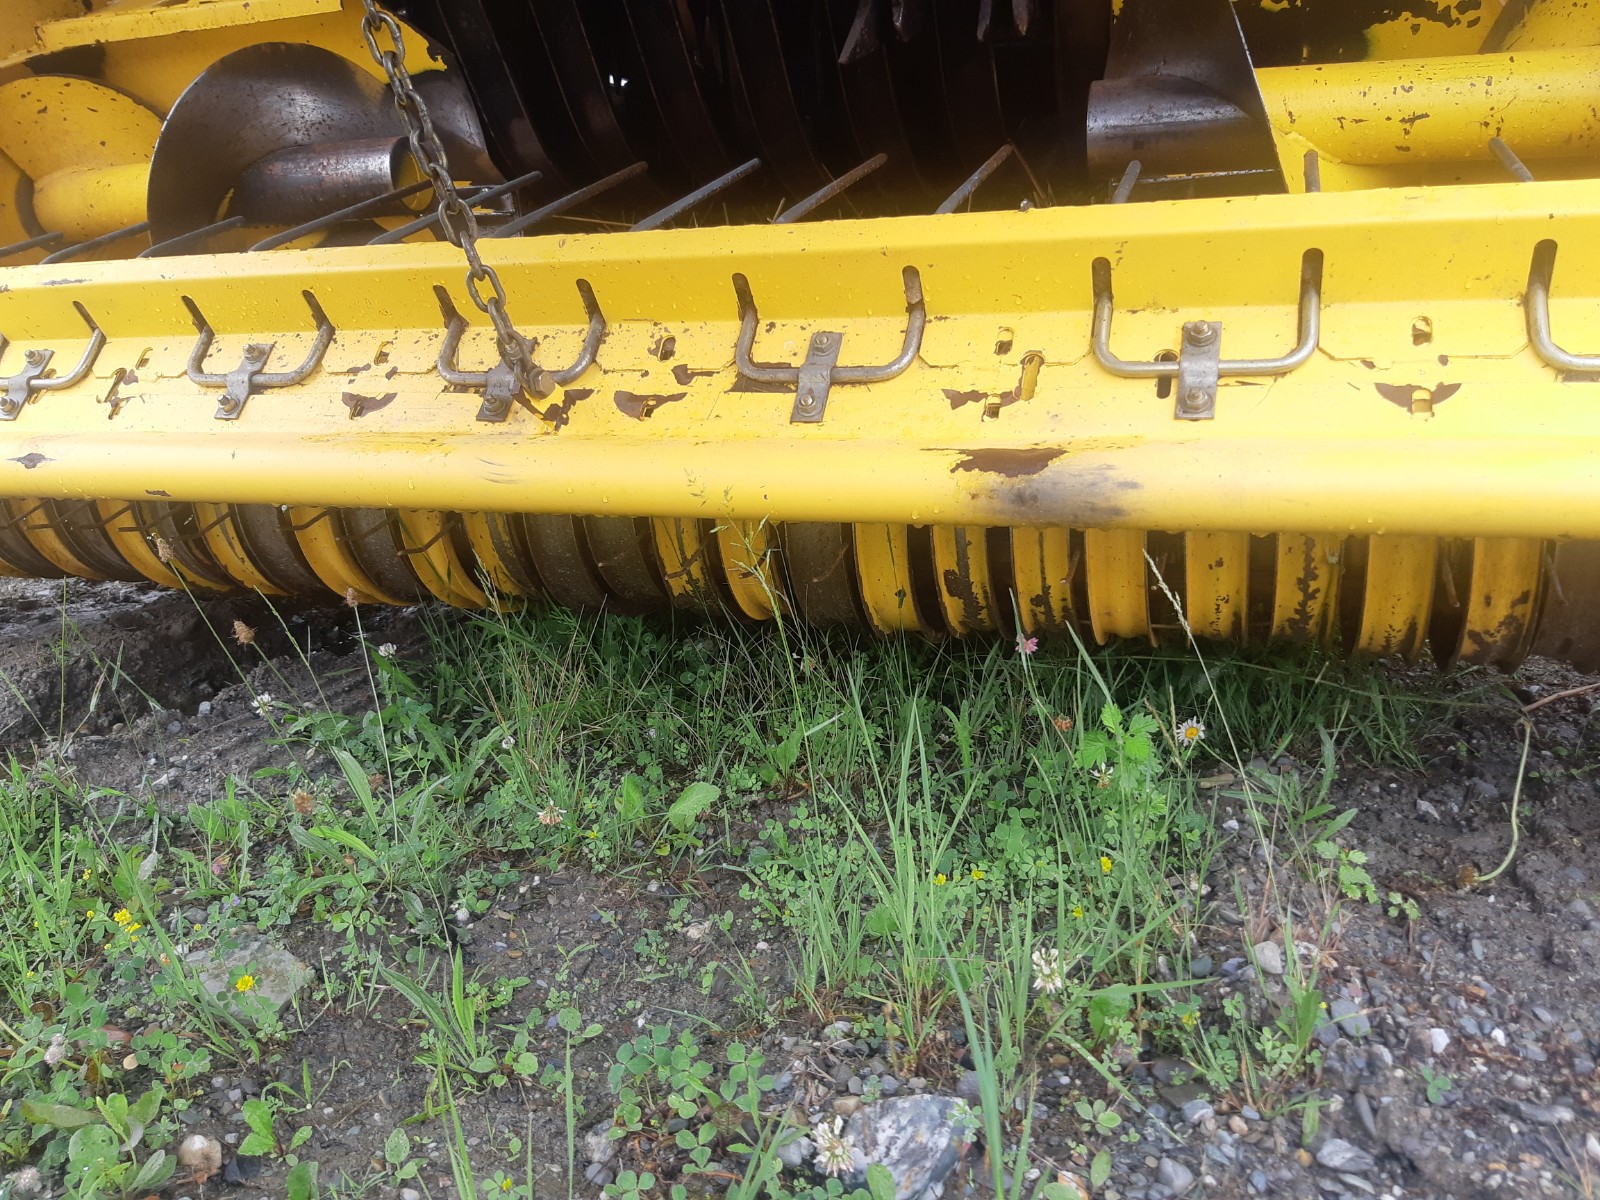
(1489,999)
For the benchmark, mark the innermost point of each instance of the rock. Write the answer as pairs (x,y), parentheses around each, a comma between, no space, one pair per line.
(1269,957)
(968,1086)
(1364,1113)
(913,1136)
(1350,1018)
(796,1152)
(598,1174)
(1545,1114)
(598,1147)
(201,1156)
(1591,1147)
(1237,1126)
(278,976)
(1438,1040)
(1200,967)
(1339,1155)
(1174,1176)
(410,1194)
(1198,1110)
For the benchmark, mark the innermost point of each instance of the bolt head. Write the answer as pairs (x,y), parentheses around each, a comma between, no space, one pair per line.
(1200,333)
(822,340)
(34,357)
(1194,398)
(255,353)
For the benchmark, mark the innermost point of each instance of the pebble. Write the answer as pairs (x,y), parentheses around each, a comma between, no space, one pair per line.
(1198,1110)
(1237,1126)
(410,1194)
(1364,1112)
(1350,1018)
(1438,1040)
(1470,1027)
(1174,1176)
(968,1086)
(1546,1114)
(1269,957)
(1591,1147)
(235,1095)
(1582,1066)
(1201,966)
(1339,1155)
(1258,1180)
(598,1174)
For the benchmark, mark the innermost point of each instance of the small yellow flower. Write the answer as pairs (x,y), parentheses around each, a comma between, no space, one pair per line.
(89,916)
(1105,865)
(1191,1019)
(244,983)
(978,874)
(134,928)
(1077,911)
(122,916)
(505,1184)
(940,879)
(133,941)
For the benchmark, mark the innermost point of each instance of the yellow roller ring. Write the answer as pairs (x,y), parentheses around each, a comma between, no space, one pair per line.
(427,538)
(961,563)
(1306,587)
(1041,565)
(42,536)
(322,542)
(495,548)
(1398,600)
(747,549)
(685,565)
(884,572)
(222,539)
(1216,575)
(130,542)
(1502,600)
(1113,564)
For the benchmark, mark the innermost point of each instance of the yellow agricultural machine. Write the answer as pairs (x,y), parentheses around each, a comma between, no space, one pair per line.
(1273,319)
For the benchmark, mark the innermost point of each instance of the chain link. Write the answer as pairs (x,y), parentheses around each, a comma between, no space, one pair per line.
(456,218)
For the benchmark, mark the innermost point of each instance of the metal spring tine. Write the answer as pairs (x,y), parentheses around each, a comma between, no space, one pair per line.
(1124,187)
(79,249)
(350,213)
(1536,302)
(570,200)
(410,551)
(322,515)
(18,521)
(823,194)
(1509,160)
(97,341)
(44,239)
(1313,171)
(976,180)
(699,196)
(184,240)
(473,196)
(591,338)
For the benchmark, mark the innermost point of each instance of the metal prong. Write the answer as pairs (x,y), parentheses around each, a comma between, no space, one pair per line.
(475,198)
(350,213)
(699,196)
(1124,188)
(570,200)
(44,239)
(1509,160)
(1313,171)
(822,195)
(79,249)
(976,180)
(193,238)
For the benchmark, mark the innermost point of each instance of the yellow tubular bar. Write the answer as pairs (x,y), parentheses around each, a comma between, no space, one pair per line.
(1113,564)
(1041,565)
(1401,573)
(1306,594)
(1217,584)
(884,571)
(1423,290)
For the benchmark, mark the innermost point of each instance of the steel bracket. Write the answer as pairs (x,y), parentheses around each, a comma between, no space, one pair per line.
(498,384)
(1199,363)
(16,390)
(250,376)
(1197,371)
(814,378)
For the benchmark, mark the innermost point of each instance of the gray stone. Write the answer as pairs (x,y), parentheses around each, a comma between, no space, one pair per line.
(598,1174)
(1269,957)
(1201,966)
(278,976)
(1258,1180)
(1438,1040)
(1364,1113)
(1339,1155)
(913,1136)
(597,1146)
(1470,1027)
(968,1086)
(1545,1114)
(795,1152)
(1198,1110)
(1350,1018)
(410,1194)
(855,1087)
(1174,1176)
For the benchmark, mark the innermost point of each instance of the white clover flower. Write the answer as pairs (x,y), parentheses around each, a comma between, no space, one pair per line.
(1049,970)
(56,1050)
(387,650)
(262,703)
(551,815)
(834,1156)
(507,742)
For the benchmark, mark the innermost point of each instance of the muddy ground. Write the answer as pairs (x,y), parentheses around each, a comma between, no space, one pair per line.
(1464,1065)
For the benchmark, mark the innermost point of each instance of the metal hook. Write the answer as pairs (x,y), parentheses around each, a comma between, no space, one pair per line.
(1199,364)
(1537,303)
(32,378)
(814,378)
(251,375)
(498,383)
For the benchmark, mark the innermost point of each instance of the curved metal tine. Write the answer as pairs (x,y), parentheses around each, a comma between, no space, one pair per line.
(97,341)
(571,199)
(591,338)
(313,357)
(202,347)
(975,181)
(916,324)
(1124,188)
(1310,330)
(1313,171)
(350,212)
(194,236)
(33,243)
(454,326)
(1509,160)
(473,196)
(79,249)
(699,196)
(823,194)
(749,319)
(1537,303)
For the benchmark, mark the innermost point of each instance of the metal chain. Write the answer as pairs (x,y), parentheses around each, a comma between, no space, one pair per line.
(456,218)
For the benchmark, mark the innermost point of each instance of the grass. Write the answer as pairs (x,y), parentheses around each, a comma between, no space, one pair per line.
(949,837)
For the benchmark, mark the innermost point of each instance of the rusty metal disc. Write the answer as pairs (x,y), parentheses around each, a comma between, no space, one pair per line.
(77,522)
(624,554)
(820,559)
(1567,628)
(376,544)
(174,527)
(15,549)
(561,555)
(272,546)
